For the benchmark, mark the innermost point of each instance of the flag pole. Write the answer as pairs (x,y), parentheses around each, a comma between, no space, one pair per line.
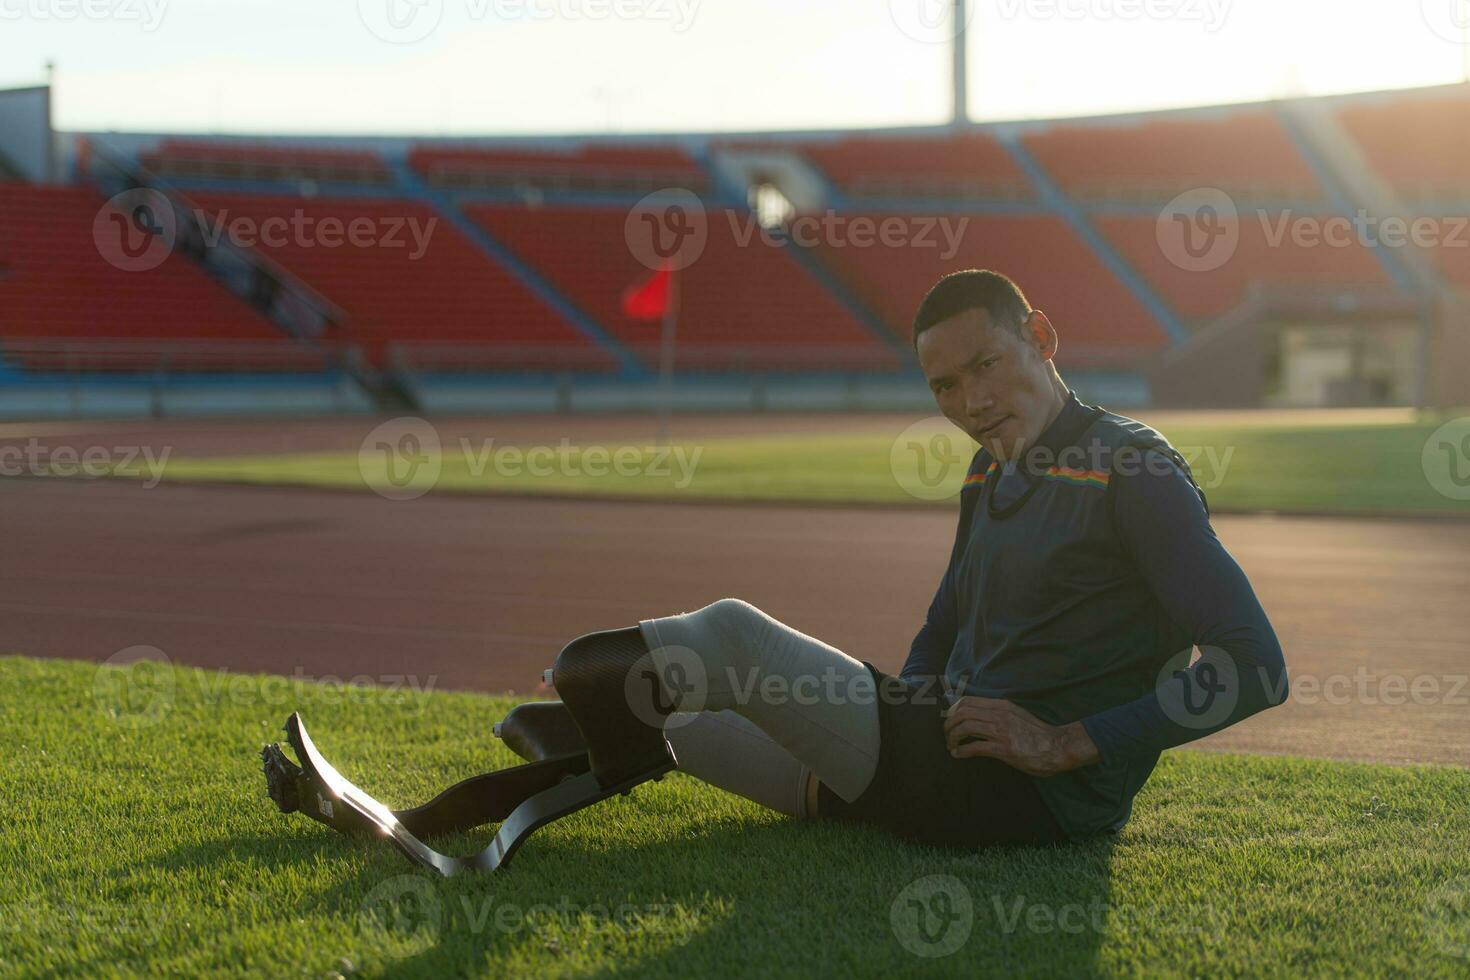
(666,361)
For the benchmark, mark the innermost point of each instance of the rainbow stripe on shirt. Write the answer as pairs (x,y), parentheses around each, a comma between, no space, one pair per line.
(978,479)
(1063,474)
(1078,478)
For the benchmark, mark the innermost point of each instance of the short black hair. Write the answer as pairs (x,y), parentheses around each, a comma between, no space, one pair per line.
(973,289)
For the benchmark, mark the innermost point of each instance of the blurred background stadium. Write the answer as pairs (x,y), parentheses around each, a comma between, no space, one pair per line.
(511,303)
(307,379)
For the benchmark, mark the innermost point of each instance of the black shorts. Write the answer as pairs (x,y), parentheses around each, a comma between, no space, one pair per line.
(922,793)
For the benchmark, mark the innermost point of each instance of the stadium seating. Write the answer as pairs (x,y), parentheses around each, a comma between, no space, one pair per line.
(56,284)
(1100,320)
(451,293)
(1246,153)
(608,167)
(1418,143)
(186,159)
(754,296)
(972,165)
(1201,295)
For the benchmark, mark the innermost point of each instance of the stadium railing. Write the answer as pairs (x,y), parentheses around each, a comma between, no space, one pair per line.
(287,300)
(49,378)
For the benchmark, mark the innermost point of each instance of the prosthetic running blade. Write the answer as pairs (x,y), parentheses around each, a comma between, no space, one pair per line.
(522,798)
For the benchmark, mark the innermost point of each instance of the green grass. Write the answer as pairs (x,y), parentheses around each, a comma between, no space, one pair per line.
(1317,468)
(138,841)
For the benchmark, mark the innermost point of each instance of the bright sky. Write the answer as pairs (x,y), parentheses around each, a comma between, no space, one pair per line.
(547,66)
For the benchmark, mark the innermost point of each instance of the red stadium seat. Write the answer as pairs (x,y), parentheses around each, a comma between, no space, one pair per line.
(1418,143)
(1245,152)
(264,161)
(1200,295)
(593,167)
(55,283)
(753,296)
(971,165)
(1101,322)
(452,293)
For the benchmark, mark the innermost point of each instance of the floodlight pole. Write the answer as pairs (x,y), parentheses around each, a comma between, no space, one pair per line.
(961,79)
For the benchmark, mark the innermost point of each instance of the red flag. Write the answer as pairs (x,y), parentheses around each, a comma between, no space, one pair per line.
(650,298)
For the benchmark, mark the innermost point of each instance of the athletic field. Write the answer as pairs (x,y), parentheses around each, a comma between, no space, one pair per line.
(141,822)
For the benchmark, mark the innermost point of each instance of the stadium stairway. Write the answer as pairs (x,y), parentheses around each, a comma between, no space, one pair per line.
(1343,168)
(1055,200)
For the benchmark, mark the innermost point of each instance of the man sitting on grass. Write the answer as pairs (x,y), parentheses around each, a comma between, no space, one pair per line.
(1053,666)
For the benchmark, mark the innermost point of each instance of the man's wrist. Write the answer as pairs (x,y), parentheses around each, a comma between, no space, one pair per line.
(1078,748)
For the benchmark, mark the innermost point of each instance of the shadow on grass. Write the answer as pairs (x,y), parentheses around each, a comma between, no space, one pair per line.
(732,897)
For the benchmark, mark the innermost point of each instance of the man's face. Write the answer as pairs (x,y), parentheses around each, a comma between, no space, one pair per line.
(995,386)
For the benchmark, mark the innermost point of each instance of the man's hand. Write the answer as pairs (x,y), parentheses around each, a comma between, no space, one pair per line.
(1001,730)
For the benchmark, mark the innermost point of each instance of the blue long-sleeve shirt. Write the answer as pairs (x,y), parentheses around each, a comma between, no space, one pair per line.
(1081,579)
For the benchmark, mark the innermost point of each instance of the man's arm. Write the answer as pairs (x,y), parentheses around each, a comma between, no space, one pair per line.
(1163,525)
(929,653)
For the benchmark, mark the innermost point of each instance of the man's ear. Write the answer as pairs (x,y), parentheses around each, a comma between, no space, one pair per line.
(1041,335)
